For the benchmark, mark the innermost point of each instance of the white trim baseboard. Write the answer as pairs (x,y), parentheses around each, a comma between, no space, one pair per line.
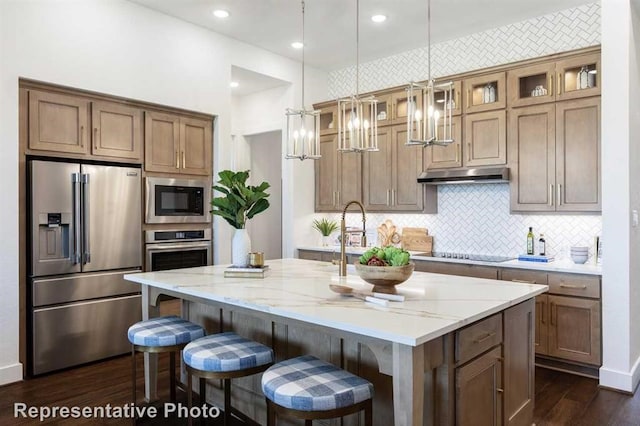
(621,380)
(10,373)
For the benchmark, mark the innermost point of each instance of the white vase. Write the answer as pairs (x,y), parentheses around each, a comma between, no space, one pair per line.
(240,248)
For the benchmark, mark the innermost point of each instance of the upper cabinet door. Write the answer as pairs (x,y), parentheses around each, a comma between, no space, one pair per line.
(578,155)
(161,142)
(326,174)
(377,173)
(400,105)
(58,123)
(384,109)
(485,137)
(195,146)
(407,194)
(455,104)
(578,77)
(443,157)
(117,130)
(329,119)
(485,92)
(531,85)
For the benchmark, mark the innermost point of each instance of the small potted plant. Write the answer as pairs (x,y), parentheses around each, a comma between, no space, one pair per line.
(326,227)
(240,203)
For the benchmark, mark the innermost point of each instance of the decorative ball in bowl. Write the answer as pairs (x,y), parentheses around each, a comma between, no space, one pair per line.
(384,268)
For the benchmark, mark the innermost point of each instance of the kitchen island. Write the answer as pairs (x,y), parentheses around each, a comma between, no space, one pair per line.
(454,329)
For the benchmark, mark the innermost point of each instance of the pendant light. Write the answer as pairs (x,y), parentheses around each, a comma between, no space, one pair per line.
(425,119)
(303,125)
(358,116)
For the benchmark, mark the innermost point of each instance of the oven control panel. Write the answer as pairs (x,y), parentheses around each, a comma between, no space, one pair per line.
(169,235)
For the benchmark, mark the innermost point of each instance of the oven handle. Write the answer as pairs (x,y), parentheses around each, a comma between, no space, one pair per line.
(178,246)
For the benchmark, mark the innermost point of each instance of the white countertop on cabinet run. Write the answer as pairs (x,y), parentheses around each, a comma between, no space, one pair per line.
(566,265)
(299,289)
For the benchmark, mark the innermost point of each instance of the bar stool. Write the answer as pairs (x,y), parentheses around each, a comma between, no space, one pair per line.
(308,388)
(162,334)
(224,356)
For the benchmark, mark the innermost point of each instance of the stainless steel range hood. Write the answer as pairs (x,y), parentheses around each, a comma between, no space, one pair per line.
(479,175)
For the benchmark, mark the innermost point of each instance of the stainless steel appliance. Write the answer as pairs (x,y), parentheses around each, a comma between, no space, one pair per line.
(172,249)
(85,235)
(177,200)
(472,256)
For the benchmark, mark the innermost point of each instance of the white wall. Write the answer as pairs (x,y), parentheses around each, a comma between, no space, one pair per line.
(119,48)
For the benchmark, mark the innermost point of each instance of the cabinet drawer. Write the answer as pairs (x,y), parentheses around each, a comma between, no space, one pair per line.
(310,255)
(575,285)
(477,338)
(524,276)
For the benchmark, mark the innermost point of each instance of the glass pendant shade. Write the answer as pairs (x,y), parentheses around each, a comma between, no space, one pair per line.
(429,123)
(303,140)
(357,124)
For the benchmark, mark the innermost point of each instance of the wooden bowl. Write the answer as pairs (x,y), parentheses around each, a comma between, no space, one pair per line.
(384,278)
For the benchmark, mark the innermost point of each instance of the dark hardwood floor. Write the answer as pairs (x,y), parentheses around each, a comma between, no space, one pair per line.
(561,399)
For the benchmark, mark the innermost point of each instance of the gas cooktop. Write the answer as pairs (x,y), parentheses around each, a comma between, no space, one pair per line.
(470,256)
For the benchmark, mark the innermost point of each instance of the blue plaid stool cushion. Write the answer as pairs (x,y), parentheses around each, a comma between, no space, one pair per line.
(226,352)
(309,384)
(164,331)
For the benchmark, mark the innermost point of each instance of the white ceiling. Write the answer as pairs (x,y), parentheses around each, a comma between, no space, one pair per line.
(330,24)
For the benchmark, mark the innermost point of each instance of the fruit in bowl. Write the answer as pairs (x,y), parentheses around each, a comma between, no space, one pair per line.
(384,268)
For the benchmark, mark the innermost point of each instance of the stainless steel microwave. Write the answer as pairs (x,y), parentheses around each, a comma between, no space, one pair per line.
(171,200)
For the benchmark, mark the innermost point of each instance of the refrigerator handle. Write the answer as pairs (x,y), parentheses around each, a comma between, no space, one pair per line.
(85,221)
(75,256)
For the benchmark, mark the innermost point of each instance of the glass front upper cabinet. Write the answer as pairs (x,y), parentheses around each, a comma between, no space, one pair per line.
(484,93)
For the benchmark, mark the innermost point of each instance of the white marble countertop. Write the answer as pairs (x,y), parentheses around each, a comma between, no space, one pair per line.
(566,265)
(299,289)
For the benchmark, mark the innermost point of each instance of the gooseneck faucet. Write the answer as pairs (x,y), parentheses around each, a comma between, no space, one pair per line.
(343,232)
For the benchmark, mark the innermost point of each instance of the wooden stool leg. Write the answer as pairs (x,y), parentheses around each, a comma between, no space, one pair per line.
(133,381)
(271,414)
(308,423)
(172,376)
(189,396)
(368,414)
(203,396)
(227,402)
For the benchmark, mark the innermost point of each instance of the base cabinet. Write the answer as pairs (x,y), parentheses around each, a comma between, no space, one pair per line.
(479,391)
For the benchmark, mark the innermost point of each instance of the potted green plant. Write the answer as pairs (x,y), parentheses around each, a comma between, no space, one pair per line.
(239,203)
(326,227)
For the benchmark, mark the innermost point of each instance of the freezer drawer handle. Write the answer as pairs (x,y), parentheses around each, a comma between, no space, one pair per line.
(85,227)
(75,181)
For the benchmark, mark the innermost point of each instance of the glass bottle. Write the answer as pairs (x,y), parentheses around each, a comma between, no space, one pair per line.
(492,93)
(583,78)
(530,237)
(542,245)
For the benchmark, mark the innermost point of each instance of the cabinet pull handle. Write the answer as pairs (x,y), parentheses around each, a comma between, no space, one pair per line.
(388,197)
(95,138)
(468,97)
(499,390)
(468,151)
(559,83)
(488,336)
(542,305)
(578,287)
(552,313)
(523,281)
(81,136)
(551,194)
(458,153)
(184,161)
(457,99)
(559,194)
(338,197)
(550,84)
(177,159)
(393,197)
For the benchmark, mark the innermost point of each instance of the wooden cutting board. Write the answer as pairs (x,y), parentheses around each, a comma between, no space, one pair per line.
(417,239)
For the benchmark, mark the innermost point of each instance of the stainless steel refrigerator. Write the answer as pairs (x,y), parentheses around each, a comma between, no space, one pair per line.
(85,235)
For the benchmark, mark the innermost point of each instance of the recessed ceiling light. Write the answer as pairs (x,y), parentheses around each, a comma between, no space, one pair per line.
(219,13)
(297,45)
(234,84)
(378,18)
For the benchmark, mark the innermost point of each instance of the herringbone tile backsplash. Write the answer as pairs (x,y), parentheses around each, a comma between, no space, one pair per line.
(476,218)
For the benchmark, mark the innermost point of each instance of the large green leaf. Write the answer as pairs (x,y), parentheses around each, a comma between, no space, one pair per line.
(240,202)
(258,207)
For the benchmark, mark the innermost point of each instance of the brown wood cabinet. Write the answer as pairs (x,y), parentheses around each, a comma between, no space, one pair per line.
(338,176)
(444,157)
(485,139)
(328,118)
(462,269)
(117,130)
(455,103)
(477,87)
(175,144)
(58,123)
(554,81)
(390,175)
(400,105)
(554,155)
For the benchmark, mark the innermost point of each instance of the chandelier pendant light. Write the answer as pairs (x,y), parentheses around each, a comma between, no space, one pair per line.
(303,126)
(427,124)
(357,115)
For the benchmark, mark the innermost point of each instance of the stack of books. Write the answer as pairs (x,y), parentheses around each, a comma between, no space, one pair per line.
(535,258)
(246,272)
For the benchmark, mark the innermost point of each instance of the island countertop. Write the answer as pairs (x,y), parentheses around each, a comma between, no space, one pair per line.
(299,289)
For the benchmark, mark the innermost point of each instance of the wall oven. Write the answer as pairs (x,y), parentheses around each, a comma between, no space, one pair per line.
(171,200)
(173,249)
